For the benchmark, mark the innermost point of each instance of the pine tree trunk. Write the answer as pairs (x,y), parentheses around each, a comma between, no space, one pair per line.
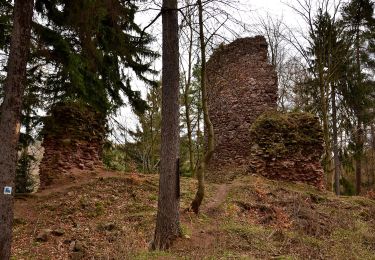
(335,143)
(186,101)
(200,173)
(359,137)
(167,222)
(327,148)
(10,116)
(372,156)
(358,158)
(199,133)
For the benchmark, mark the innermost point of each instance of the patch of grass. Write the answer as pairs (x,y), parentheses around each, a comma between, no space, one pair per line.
(99,208)
(185,231)
(140,207)
(304,240)
(19,222)
(84,202)
(153,197)
(139,215)
(250,237)
(356,243)
(283,257)
(361,201)
(203,218)
(317,198)
(48,206)
(153,255)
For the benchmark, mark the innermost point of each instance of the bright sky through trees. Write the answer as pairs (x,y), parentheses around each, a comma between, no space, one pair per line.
(249,12)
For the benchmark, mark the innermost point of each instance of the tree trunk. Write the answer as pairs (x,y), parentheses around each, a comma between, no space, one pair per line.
(323,85)
(372,155)
(359,137)
(195,204)
(186,101)
(358,158)
(10,116)
(199,132)
(335,144)
(167,222)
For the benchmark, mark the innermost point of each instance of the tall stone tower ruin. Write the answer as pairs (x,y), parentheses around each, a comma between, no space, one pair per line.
(241,86)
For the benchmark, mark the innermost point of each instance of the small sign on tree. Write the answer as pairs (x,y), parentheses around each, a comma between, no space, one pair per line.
(7,190)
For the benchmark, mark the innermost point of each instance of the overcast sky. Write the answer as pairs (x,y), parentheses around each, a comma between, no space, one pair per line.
(276,7)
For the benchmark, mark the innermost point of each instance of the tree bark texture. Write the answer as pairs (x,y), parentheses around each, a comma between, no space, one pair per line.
(200,173)
(359,132)
(186,101)
(358,158)
(323,88)
(335,142)
(167,222)
(10,116)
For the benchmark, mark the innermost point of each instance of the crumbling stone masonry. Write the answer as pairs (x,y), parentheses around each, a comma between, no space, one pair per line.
(287,146)
(241,86)
(73,138)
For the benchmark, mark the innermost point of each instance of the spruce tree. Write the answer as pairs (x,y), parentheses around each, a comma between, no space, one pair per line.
(89,51)
(96,49)
(360,25)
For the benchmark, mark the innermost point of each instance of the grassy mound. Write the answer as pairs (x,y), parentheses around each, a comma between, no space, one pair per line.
(250,218)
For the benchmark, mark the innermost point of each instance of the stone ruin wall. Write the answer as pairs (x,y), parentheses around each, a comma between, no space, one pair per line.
(241,86)
(288,147)
(73,137)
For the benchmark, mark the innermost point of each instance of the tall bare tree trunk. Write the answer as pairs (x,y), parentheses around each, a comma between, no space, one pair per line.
(323,89)
(167,222)
(358,157)
(359,135)
(10,117)
(186,100)
(195,204)
(372,129)
(199,133)
(335,142)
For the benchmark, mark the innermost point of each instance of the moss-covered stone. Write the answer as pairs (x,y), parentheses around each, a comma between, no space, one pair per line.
(287,146)
(281,134)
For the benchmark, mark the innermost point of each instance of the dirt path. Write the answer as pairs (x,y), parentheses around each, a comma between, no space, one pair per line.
(219,197)
(204,229)
(216,199)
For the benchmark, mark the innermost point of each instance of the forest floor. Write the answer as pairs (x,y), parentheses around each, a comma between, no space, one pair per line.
(112,216)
